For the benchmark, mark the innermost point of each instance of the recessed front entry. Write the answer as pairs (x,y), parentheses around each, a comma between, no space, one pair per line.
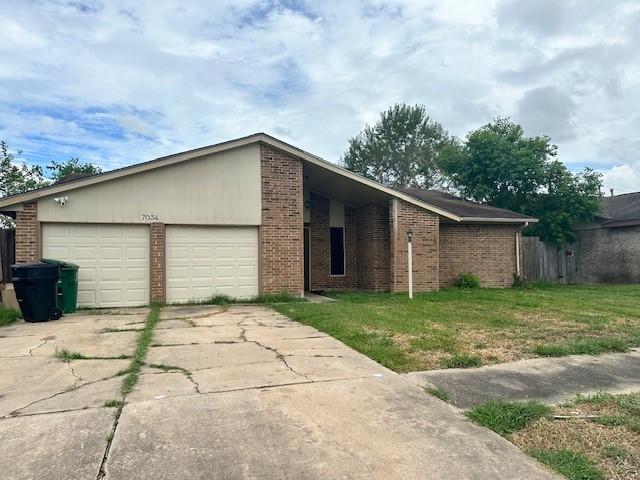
(204,261)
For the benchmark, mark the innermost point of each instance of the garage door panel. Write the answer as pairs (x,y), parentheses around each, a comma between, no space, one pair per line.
(113,260)
(203,261)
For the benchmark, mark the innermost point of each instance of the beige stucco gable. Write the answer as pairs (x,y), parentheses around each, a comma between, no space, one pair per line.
(217,189)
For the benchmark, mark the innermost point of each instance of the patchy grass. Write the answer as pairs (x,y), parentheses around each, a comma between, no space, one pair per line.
(495,325)
(593,346)
(8,316)
(573,465)
(169,368)
(144,340)
(438,393)
(462,361)
(265,299)
(599,440)
(114,403)
(67,355)
(505,418)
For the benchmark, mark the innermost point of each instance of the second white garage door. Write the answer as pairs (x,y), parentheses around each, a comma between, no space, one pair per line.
(204,261)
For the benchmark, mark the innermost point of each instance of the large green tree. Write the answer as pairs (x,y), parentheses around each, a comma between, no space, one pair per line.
(497,164)
(400,149)
(59,170)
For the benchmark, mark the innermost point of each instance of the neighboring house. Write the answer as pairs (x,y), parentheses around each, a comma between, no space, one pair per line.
(255,216)
(608,249)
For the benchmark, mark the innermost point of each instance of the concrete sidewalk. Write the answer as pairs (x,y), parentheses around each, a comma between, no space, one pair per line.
(548,380)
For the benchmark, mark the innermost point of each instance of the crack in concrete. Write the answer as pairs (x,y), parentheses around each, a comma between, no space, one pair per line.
(35,348)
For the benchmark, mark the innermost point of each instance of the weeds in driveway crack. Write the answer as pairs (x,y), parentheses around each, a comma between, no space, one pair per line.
(132,373)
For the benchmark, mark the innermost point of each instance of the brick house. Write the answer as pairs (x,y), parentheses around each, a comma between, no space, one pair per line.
(251,216)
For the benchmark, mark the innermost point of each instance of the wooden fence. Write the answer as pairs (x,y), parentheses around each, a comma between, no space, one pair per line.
(7,253)
(542,262)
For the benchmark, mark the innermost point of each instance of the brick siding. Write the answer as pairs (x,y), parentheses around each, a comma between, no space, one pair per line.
(425,226)
(320,250)
(158,259)
(373,239)
(27,234)
(488,251)
(281,231)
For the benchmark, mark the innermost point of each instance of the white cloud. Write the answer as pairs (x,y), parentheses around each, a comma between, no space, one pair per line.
(120,82)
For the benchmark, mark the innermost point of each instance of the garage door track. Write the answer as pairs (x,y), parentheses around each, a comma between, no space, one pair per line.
(238,392)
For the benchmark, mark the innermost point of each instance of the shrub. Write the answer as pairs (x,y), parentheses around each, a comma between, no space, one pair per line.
(467,280)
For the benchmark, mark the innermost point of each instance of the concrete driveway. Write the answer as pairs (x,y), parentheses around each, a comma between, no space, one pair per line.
(239,392)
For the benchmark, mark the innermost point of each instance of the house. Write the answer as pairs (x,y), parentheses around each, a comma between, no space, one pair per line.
(607,250)
(253,216)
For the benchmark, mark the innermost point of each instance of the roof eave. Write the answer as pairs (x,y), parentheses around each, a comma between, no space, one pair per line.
(498,220)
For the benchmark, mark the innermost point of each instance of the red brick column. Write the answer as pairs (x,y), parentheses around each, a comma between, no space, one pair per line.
(426,260)
(27,234)
(158,262)
(373,247)
(281,230)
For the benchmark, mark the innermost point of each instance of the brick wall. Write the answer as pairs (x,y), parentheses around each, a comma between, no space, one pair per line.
(281,232)
(158,265)
(320,250)
(424,225)
(608,255)
(373,249)
(27,234)
(487,251)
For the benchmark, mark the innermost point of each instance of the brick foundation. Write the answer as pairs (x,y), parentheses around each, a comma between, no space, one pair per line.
(320,251)
(373,249)
(425,226)
(488,251)
(27,234)
(281,231)
(158,262)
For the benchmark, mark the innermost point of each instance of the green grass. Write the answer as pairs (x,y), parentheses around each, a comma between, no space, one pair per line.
(496,325)
(144,340)
(594,346)
(114,403)
(8,316)
(505,418)
(67,355)
(265,299)
(462,361)
(573,465)
(438,393)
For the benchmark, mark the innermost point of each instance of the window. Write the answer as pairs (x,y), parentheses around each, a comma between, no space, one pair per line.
(337,250)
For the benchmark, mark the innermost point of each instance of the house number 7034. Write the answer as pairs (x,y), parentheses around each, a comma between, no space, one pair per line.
(149,217)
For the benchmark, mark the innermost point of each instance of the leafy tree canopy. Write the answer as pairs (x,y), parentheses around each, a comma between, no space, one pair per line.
(16,177)
(497,164)
(400,150)
(59,170)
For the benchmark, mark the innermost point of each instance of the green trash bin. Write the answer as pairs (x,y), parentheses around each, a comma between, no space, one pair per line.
(68,285)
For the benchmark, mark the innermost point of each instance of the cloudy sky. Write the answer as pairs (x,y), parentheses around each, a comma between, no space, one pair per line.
(117,82)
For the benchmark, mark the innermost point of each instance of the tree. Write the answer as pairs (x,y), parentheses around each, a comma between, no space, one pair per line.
(60,170)
(16,178)
(400,150)
(499,165)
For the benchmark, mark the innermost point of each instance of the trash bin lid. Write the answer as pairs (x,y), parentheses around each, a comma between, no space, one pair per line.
(34,270)
(62,263)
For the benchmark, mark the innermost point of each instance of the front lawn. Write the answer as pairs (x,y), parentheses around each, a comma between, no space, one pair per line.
(591,438)
(467,328)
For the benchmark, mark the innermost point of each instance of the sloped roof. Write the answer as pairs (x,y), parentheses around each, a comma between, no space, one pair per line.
(464,208)
(621,210)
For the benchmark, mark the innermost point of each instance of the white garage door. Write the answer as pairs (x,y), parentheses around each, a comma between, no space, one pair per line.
(203,261)
(113,259)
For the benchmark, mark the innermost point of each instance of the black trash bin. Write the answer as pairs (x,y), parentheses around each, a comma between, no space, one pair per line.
(36,287)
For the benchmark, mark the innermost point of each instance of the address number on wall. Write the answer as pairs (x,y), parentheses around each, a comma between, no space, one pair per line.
(149,217)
